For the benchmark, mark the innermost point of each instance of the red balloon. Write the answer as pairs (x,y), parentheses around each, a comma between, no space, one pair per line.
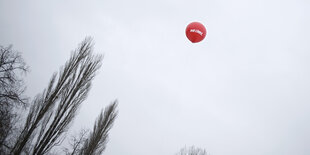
(195,32)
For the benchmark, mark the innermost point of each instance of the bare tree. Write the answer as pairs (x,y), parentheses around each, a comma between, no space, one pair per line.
(96,142)
(11,92)
(76,143)
(53,110)
(192,151)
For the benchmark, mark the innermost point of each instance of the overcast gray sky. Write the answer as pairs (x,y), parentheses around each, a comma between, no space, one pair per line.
(244,90)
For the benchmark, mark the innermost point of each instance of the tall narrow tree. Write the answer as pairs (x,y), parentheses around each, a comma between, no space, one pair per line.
(53,110)
(96,142)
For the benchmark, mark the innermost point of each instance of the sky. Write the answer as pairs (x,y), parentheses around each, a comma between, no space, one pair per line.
(243,90)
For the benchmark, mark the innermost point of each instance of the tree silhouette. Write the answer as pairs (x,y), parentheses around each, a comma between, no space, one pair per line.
(11,92)
(192,151)
(53,110)
(96,142)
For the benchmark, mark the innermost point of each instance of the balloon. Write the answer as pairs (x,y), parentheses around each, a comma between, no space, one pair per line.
(195,32)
